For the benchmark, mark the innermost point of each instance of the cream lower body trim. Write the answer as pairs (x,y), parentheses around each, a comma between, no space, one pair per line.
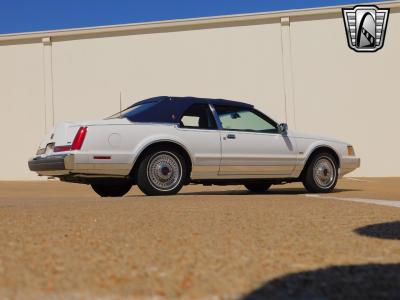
(104,168)
(256,170)
(53,173)
(211,172)
(204,172)
(252,176)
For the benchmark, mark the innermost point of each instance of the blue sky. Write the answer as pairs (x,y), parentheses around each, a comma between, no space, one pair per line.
(34,15)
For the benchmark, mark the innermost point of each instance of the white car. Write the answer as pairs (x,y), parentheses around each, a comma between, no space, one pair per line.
(163,143)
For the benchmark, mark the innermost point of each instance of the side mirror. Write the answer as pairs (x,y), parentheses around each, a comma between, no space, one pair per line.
(282,128)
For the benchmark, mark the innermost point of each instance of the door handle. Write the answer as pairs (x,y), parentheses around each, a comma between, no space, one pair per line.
(231,136)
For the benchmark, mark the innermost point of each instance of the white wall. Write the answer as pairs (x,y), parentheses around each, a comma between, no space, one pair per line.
(22,108)
(235,63)
(349,95)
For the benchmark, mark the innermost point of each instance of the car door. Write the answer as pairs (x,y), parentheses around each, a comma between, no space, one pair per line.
(252,145)
(199,131)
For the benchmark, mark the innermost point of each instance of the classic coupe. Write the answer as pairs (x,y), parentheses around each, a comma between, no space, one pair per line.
(163,143)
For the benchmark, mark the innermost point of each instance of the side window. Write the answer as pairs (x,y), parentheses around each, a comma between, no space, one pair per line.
(198,116)
(244,119)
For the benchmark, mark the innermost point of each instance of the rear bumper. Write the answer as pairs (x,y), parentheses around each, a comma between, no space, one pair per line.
(52,165)
(71,164)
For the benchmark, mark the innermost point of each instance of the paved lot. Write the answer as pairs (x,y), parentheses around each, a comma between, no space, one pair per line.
(60,241)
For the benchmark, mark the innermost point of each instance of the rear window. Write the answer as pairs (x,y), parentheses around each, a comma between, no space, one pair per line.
(198,116)
(133,110)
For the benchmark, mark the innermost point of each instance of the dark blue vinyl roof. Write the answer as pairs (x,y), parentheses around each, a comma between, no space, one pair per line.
(166,109)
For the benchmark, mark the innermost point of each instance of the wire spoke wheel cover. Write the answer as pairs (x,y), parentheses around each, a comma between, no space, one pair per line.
(324,172)
(164,171)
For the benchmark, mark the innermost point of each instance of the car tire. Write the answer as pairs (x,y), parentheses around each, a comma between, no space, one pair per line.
(321,173)
(162,171)
(258,187)
(112,189)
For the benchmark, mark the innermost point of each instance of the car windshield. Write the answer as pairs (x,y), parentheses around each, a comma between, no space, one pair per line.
(133,110)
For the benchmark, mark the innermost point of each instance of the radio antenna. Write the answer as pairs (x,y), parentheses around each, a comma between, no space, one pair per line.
(120,104)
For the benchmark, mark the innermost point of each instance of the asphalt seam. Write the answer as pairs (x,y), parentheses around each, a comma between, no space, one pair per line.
(383,202)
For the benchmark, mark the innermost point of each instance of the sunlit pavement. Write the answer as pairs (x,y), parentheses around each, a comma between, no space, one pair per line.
(61,241)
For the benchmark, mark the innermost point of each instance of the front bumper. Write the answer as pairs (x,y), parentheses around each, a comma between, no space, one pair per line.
(349,164)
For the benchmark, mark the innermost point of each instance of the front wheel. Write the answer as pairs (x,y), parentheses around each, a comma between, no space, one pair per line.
(112,189)
(162,172)
(321,174)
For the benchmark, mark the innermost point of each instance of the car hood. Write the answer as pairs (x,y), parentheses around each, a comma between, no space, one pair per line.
(301,135)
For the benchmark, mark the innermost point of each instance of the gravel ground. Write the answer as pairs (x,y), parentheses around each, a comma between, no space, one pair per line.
(60,241)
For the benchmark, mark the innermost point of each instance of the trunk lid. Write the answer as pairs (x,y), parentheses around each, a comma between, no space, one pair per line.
(60,135)
(63,134)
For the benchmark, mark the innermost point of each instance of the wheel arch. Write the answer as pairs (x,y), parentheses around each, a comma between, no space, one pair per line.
(319,149)
(158,144)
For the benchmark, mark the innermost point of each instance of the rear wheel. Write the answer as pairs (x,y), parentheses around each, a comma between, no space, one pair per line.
(321,174)
(258,187)
(162,172)
(112,189)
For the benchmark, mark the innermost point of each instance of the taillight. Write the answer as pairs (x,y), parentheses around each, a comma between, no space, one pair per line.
(79,138)
(76,144)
